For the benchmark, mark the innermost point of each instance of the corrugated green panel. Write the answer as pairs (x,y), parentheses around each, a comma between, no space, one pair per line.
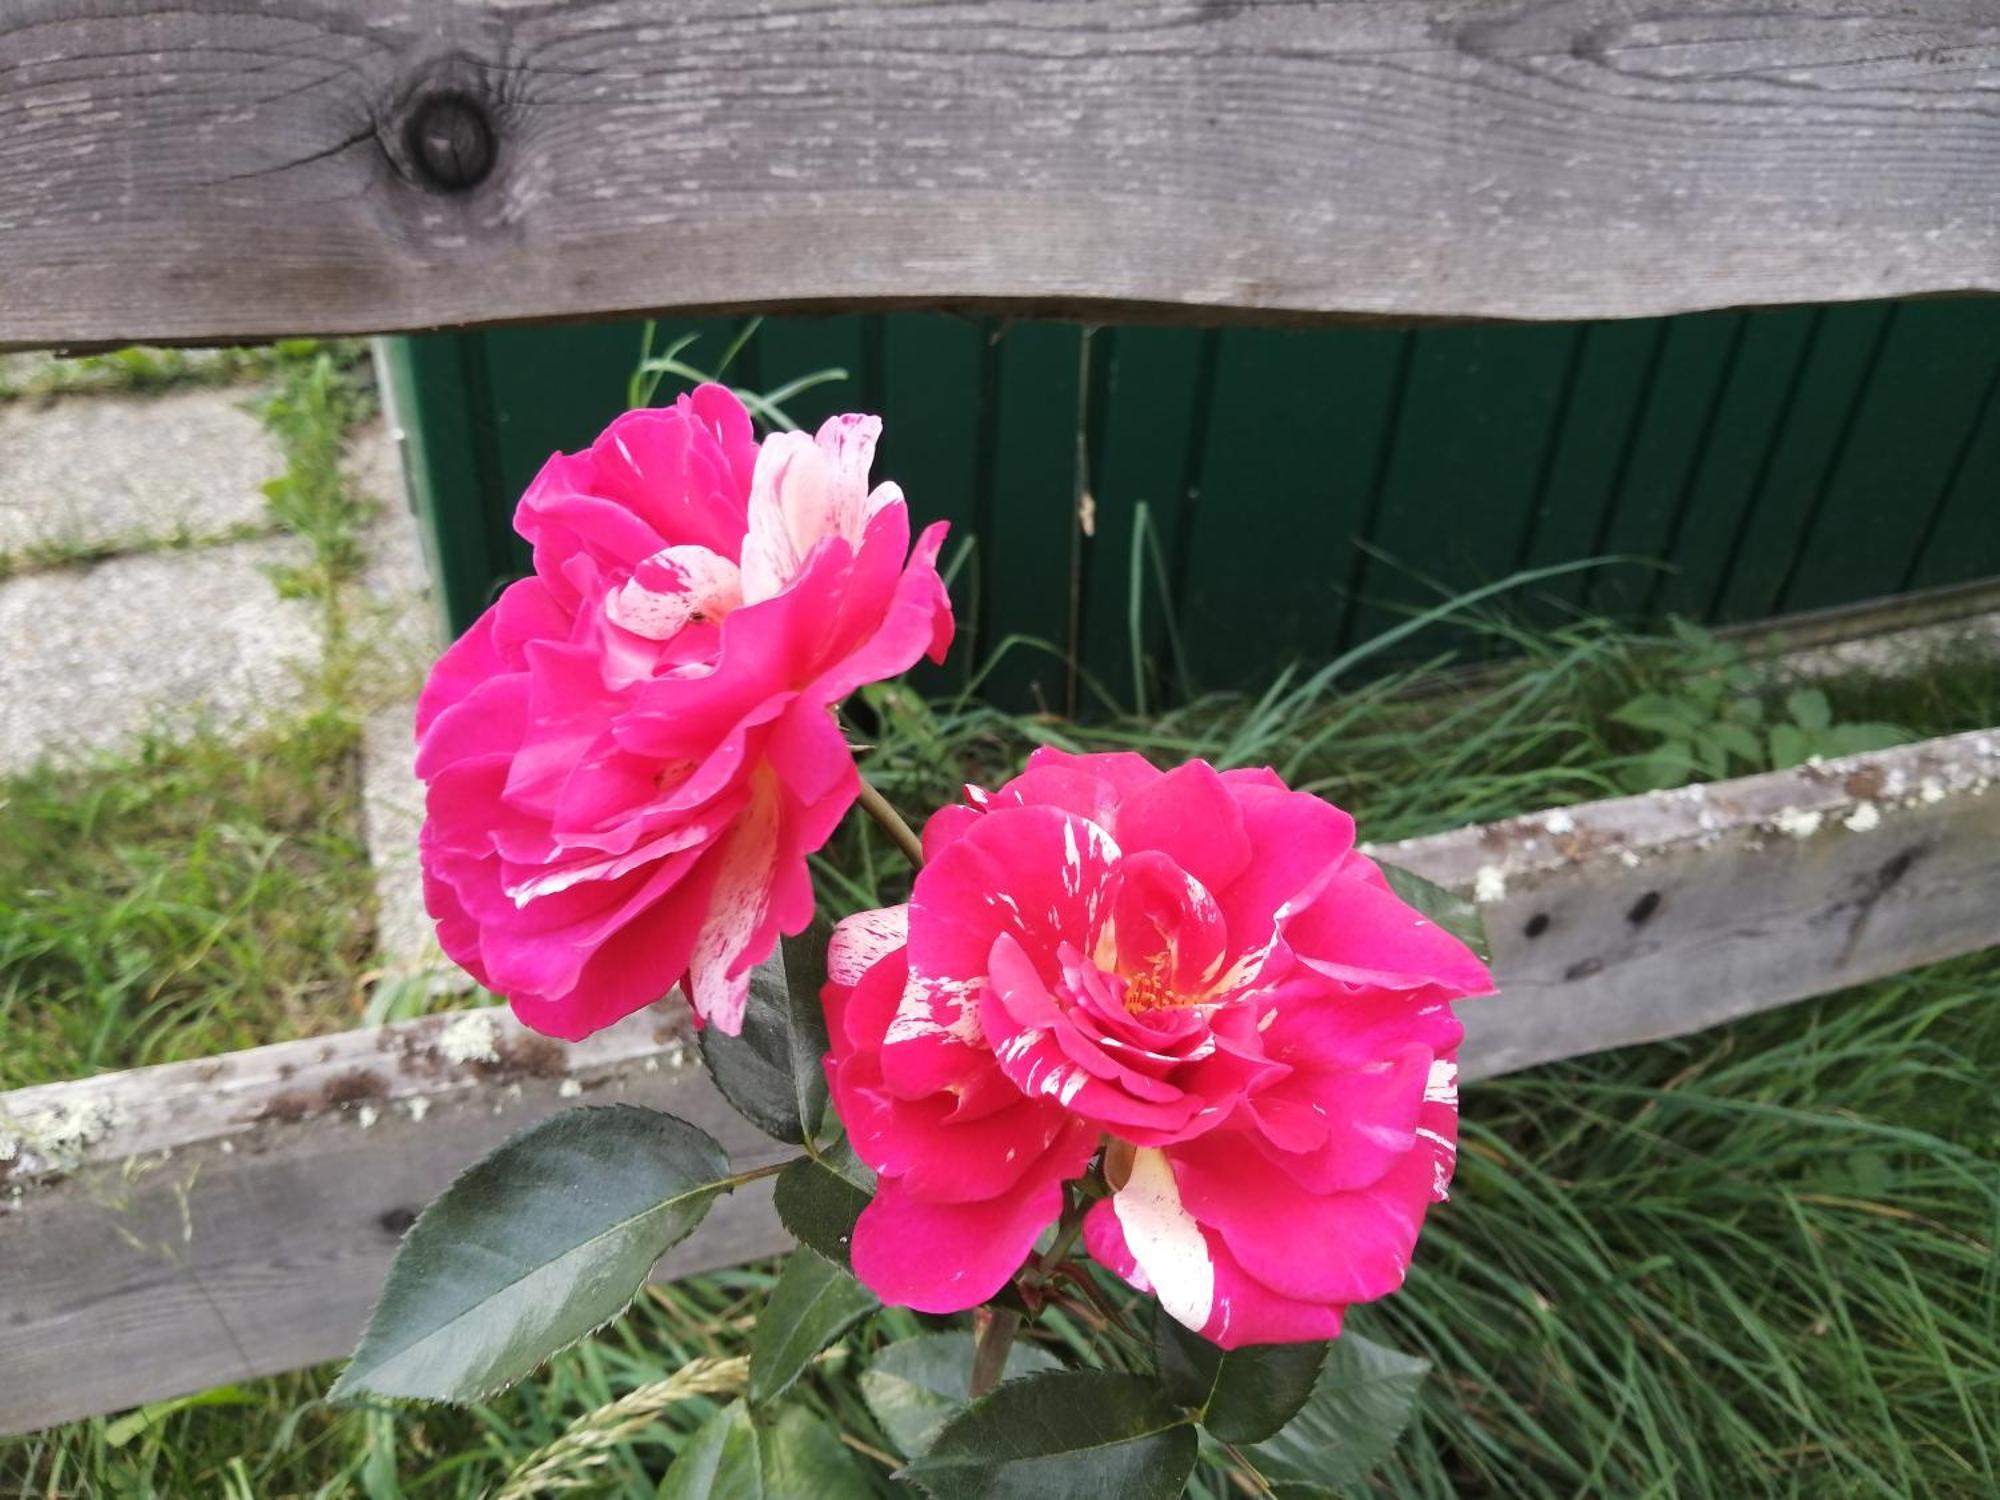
(1459,490)
(1783,459)
(932,373)
(1961,534)
(791,349)
(1295,425)
(1684,397)
(1582,475)
(535,415)
(1913,422)
(445,408)
(1804,457)
(1718,499)
(1152,422)
(1025,534)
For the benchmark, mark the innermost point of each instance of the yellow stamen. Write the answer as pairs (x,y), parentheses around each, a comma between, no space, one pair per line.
(1145,993)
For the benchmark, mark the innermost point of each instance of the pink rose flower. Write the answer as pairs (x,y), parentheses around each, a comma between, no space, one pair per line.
(1195,964)
(631,754)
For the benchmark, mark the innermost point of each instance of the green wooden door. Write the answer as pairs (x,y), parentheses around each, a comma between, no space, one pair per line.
(1210,504)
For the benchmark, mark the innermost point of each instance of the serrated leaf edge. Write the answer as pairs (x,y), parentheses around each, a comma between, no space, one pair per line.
(907,1472)
(342,1392)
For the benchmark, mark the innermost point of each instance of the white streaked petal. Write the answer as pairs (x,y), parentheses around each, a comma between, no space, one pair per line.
(682,583)
(1165,1239)
(790,496)
(861,941)
(1442,1086)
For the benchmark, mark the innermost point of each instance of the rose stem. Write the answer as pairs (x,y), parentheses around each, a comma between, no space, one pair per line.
(900,833)
(989,1356)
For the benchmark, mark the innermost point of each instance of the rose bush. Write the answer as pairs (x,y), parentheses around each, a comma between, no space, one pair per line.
(631,754)
(1194,966)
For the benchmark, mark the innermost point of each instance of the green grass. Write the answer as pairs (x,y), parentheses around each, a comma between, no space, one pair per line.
(1756,1261)
(60,552)
(1409,752)
(138,369)
(1759,1261)
(183,900)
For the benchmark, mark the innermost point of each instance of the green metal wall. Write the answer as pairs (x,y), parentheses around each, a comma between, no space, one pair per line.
(1775,461)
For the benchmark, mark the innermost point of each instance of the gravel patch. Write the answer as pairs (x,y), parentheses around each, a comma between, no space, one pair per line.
(396,585)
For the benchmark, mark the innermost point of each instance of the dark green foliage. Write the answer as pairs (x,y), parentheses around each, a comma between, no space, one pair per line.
(1349,1422)
(820,1197)
(772,1070)
(737,1456)
(531,1248)
(815,1303)
(1716,720)
(1065,1435)
(1240,1396)
(915,1386)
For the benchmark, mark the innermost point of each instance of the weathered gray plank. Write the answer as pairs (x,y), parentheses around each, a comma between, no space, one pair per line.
(1648,917)
(249,167)
(175,1227)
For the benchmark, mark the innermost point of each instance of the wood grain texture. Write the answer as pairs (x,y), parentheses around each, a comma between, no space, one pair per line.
(237,168)
(173,1228)
(1647,917)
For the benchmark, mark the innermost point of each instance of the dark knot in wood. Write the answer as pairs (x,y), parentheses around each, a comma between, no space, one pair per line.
(449,141)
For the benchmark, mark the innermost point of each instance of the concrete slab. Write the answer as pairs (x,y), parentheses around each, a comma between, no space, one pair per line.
(396,585)
(92,657)
(97,471)
(392,810)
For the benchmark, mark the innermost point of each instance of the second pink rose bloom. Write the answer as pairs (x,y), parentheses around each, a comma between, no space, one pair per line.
(1196,964)
(631,754)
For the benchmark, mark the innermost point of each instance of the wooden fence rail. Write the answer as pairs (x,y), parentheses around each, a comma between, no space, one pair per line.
(172,1228)
(254,167)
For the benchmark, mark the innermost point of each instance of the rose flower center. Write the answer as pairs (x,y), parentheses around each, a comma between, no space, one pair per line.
(1145,993)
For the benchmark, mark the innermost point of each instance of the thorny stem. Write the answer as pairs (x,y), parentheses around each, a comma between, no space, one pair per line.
(989,1356)
(900,833)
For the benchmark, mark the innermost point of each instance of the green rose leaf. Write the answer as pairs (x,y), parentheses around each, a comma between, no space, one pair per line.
(819,1198)
(815,1302)
(720,1459)
(1240,1395)
(771,1072)
(1452,912)
(532,1248)
(1359,1407)
(918,1384)
(735,1456)
(1066,1435)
